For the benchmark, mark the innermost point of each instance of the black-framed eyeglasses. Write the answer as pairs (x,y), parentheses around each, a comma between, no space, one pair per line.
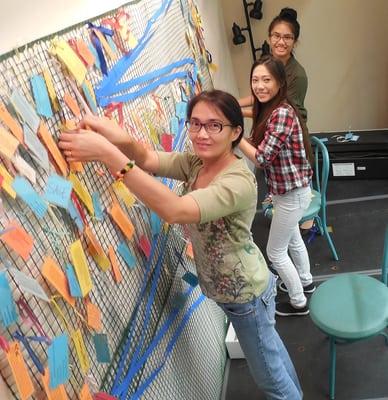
(277,36)
(211,127)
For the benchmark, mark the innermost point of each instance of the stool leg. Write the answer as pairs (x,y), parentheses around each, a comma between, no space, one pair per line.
(333,357)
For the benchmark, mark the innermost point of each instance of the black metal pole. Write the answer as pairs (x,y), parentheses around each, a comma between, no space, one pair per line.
(249,29)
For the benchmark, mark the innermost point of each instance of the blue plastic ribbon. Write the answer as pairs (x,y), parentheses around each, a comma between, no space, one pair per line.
(98,46)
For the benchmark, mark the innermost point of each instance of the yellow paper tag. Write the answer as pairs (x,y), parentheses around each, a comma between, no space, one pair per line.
(96,250)
(67,56)
(11,123)
(55,276)
(81,267)
(91,90)
(52,147)
(85,394)
(7,182)
(115,265)
(124,193)
(51,90)
(8,143)
(19,370)
(93,316)
(131,39)
(59,393)
(122,220)
(82,193)
(81,351)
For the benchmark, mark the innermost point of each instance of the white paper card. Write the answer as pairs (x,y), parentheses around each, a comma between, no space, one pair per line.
(28,284)
(343,169)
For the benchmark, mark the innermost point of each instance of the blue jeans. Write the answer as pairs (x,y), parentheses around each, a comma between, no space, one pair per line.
(266,355)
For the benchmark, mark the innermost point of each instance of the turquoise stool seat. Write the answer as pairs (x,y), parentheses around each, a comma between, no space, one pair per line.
(345,307)
(314,207)
(351,307)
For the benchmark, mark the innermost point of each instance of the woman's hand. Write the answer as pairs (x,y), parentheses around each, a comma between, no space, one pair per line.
(107,128)
(84,145)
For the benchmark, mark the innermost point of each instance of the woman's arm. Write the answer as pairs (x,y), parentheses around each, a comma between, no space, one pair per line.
(248,150)
(89,146)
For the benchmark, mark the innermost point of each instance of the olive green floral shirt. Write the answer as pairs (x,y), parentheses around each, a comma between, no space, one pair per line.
(231,268)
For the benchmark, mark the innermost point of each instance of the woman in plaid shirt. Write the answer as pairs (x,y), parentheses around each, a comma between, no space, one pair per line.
(280,144)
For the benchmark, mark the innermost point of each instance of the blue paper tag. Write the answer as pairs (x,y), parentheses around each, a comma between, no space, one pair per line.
(75,216)
(74,287)
(102,349)
(190,278)
(181,110)
(155,223)
(111,43)
(174,126)
(349,135)
(98,213)
(41,96)
(58,361)
(94,52)
(25,110)
(58,191)
(178,300)
(124,252)
(28,194)
(36,148)
(8,313)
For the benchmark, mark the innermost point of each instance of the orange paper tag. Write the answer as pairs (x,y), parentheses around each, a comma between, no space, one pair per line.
(122,220)
(115,265)
(81,267)
(12,124)
(189,250)
(18,239)
(96,250)
(85,53)
(85,394)
(49,142)
(55,276)
(19,371)
(59,393)
(81,351)
(8,143)
(105,44)
(93,316)
(72,104)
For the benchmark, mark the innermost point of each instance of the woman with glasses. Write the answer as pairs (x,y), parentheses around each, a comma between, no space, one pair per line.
(280,145)
(283,34)
(218,204)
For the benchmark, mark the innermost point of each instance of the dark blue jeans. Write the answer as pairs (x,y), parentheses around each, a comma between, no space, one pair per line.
(266,355)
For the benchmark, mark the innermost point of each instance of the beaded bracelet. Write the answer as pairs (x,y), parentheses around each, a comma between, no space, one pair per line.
(128,166)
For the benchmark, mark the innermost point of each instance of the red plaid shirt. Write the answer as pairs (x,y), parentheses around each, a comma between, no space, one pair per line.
(281,153)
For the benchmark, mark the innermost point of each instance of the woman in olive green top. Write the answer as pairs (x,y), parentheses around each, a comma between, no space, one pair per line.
(219,204)
(283,34)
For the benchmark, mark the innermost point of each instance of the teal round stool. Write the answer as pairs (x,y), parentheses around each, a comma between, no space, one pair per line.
(348,308)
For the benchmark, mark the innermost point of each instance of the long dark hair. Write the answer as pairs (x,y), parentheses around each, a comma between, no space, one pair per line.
(288,15)
(262,111)
(224,102)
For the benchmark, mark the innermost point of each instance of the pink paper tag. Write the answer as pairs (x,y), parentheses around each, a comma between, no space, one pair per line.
(166,140)
(145,245)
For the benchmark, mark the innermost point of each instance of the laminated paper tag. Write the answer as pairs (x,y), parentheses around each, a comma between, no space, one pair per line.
(8,144)
(81,351)
(85,394)
(36,148)
(7,182)
(55,276)
(24,168)
(124,193)
(122,220)
(59,393)
(27,284)
(11,123)
(68,57)
(18,239)
(115,265)
(93,316)
(82,193)
(81,267)
(52,147)
(19,370)
(58,361)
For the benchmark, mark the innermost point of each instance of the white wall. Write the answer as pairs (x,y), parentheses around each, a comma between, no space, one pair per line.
(343,47)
